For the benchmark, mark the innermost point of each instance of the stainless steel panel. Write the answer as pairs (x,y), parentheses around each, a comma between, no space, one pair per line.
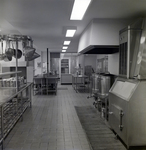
(133,131)
(132,50)
(116,105)
(123,59)
(137,116)
(140,63)
(135,36)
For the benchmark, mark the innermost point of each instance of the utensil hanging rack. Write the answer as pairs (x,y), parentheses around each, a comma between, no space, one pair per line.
(27,44)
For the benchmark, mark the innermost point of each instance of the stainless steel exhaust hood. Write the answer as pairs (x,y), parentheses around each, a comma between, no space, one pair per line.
(101,36)
(101,49)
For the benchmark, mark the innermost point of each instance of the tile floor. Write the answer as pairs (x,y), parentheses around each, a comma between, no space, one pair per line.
(51,123)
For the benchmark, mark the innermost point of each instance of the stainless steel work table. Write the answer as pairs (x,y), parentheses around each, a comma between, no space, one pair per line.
(45,84)
(78,81)
(13,103)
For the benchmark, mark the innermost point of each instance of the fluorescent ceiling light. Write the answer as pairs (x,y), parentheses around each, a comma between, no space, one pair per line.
(63,50)
(66,43)
(64,47)
(70,32)
(79,9)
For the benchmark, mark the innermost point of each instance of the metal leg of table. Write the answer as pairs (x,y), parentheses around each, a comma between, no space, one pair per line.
(83,81)
(2,129)
(30,98)
(72,81)
(21,107)
(76,84)
(106,108)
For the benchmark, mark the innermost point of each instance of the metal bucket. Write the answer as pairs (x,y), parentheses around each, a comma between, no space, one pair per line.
(104,86)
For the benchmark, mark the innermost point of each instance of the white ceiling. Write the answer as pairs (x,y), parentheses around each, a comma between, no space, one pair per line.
(47,20)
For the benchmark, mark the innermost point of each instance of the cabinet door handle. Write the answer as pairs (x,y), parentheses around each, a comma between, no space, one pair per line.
(121,121)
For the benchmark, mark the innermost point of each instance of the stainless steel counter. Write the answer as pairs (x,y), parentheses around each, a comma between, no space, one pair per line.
(13,103)
(8,93)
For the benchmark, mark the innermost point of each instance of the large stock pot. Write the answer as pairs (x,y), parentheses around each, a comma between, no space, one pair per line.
(104,85)
(95,83)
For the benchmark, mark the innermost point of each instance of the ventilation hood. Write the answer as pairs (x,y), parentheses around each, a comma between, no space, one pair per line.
(101,36)
(101,49)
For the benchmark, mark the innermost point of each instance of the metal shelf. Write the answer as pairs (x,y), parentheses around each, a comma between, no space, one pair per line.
(9,73)
(12,107)
(65,66)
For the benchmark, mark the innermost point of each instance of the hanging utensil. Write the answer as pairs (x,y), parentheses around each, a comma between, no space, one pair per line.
(7,57)
(29,52)
(35,55)
(19,52)
(1,55)
(9,51)
(28,49)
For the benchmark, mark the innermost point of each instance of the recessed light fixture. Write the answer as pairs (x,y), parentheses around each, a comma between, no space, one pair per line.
(70,32)
(79,9)
(63,50)
(64,47)
(66,43)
